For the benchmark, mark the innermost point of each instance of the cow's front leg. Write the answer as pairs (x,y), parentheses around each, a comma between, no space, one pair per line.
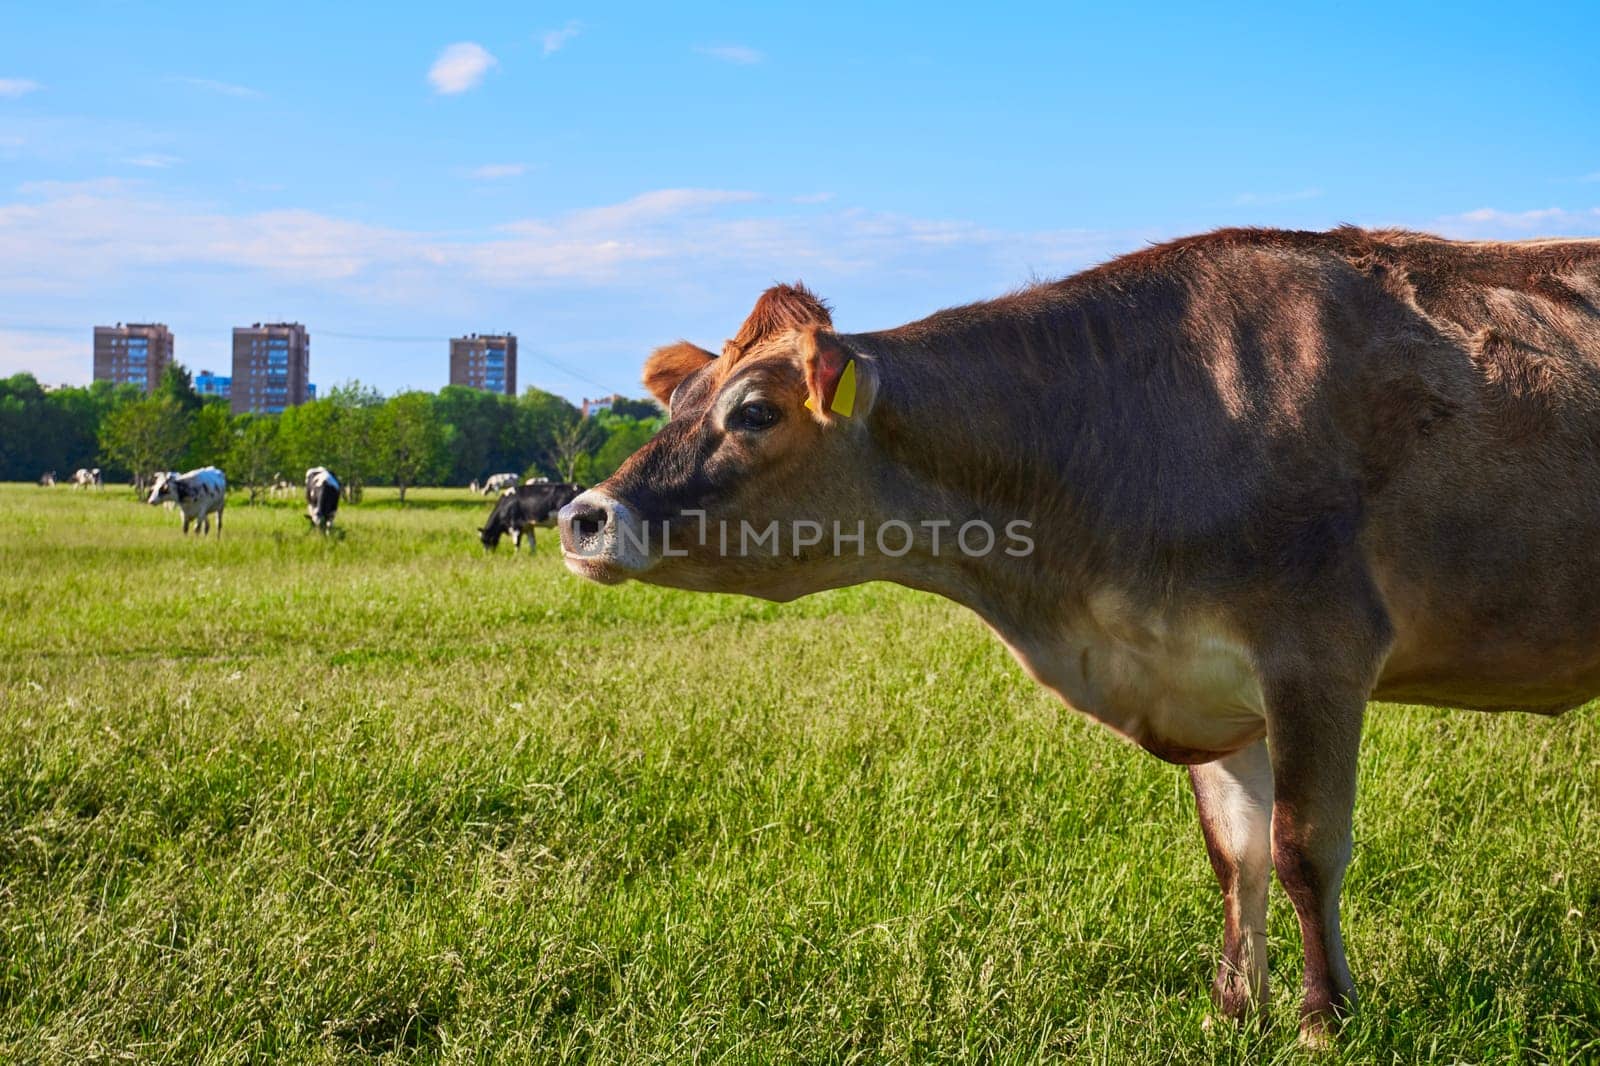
(1234,799)
(1314,733)
(186,525)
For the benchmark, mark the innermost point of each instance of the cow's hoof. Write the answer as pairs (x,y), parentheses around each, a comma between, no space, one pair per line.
(1255,1018)
(1318,1034)
(1319,1028)
(1237,999)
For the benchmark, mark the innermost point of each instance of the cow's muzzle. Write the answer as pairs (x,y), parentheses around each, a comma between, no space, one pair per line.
(603,539)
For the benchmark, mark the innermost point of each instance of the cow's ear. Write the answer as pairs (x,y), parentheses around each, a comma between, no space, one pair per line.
(666,368)
(839,383)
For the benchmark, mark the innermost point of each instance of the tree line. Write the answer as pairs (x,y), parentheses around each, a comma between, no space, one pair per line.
(451,437)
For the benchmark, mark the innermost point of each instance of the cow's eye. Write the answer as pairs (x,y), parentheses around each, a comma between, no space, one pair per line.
(756,415)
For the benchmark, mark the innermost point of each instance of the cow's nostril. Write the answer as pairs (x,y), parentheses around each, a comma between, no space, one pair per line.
(588,520)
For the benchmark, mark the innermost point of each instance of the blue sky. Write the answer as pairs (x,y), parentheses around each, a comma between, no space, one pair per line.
(602,180)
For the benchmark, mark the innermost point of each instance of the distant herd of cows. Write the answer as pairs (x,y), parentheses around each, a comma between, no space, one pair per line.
(201,494)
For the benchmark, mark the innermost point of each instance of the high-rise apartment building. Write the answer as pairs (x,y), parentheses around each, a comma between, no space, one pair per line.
(271,367)
(135,353)
(487,361)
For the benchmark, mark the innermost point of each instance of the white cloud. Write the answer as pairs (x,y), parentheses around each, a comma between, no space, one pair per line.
(738,54)
(460,67)
(55,358)
(681,261)
(652,206)
(813,198)
(1492,223)
(153,161)
(109,227)
(223,88)
(1252,199)
(494,171)
(553,41)
(11,88)
(67,238)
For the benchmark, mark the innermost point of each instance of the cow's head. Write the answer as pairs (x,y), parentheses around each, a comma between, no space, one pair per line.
(161,489)
(773,433)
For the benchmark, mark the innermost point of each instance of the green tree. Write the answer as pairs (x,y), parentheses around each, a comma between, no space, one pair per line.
(308,435)
(146,437)
(78,415)
(177,385)
(255,454)
(484,425)
(56,429)
(354,445)
(638,410)
(26,449)
(413,443)
(336,431)
(545,435)
(211,439)
(624,437)
(568,445)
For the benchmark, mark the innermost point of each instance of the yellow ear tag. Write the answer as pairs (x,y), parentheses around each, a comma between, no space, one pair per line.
(844,394)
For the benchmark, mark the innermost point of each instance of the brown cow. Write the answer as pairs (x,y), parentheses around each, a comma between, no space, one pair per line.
(1261,478)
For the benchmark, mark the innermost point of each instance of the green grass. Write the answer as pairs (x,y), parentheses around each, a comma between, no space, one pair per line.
(293,799)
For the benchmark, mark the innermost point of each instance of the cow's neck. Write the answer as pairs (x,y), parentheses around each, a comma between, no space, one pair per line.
(964,442)
(1019,437)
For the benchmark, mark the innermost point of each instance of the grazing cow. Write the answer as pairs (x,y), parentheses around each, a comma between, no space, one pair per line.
(87,477)
(523,507)
(497,483)
(199,494)
(322,497)
(1264,477)
(47,479)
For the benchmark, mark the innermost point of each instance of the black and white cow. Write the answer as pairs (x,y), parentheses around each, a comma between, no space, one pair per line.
(199,494)
(47,479)
(496,483)
(523,507)
(322,497)
(87,477)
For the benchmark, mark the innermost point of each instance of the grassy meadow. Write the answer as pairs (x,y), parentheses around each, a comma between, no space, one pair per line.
(281,798)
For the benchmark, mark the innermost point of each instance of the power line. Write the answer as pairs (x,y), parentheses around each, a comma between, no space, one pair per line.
(382,338)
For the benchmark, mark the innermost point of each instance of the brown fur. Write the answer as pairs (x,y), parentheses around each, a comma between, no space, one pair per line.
(1368,460)
(780,309)
(669,365)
